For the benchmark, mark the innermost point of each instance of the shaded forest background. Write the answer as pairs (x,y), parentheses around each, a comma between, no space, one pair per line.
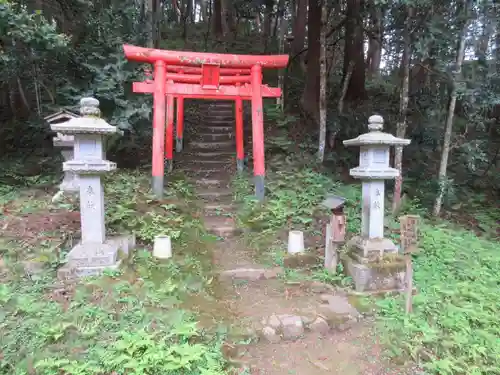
(432,69)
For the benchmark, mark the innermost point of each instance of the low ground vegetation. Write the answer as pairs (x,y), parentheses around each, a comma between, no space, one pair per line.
(139,320)
(453,327)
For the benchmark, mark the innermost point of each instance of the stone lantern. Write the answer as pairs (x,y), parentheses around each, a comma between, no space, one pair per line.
(65,143)
(367,259)
(95,252)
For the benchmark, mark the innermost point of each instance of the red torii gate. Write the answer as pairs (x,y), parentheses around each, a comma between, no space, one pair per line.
(181,75)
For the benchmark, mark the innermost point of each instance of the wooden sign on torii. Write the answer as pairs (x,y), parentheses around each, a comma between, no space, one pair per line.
(180,75)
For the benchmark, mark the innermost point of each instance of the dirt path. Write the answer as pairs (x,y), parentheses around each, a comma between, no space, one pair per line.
(298,328)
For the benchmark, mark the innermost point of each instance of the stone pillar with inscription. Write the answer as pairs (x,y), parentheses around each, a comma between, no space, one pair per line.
(372,260)
(95,252)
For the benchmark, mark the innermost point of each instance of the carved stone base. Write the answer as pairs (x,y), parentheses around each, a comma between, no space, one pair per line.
(89,259)
(371,248)
(381,269)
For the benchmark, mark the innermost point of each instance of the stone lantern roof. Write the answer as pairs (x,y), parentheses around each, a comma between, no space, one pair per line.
(376,136)
(89,123)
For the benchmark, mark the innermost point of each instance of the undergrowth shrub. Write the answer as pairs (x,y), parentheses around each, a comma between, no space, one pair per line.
(121,323)
(454,327)
(131,207)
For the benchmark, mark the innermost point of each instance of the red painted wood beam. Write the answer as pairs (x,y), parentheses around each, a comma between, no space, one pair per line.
(195,78)
(169,143)
(180,124)
(184,58)
(259,170)
(240,155)
(158,91)
(197,70)
(194,91)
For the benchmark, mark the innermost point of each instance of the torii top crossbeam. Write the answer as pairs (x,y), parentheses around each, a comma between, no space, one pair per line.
(184,58)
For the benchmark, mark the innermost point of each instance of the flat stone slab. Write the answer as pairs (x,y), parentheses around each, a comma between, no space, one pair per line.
(251,274)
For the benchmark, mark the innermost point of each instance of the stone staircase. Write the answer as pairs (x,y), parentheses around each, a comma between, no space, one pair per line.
(210,160)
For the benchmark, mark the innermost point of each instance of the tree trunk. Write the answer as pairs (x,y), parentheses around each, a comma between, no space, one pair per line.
(299,27)
(217,18)
(451,111)
(149,5)
(268,20)
(354,51)
(283,26)
(310,95)
(203,10)
(375,41)
(403,107)
(322,84)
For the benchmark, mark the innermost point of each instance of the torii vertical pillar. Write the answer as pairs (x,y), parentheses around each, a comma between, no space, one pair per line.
(169,143)
(158,127)
(258,132)
(240,155)
(180,124)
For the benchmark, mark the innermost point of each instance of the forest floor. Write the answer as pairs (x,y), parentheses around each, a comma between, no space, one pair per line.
(231,300)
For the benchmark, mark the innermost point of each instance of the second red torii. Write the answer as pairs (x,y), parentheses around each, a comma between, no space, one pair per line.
(179,74)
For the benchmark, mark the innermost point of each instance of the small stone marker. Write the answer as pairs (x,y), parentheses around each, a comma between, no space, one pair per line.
(371,245)
(409,232)
(94,253)
(335,230)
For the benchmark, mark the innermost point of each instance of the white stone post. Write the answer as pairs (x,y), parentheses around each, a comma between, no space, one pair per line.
(95,252)
(373,169)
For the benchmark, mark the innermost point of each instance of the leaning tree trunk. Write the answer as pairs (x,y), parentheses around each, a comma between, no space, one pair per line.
(375,41)
(322,84)
(442,177)
(354,51)
(310,95)
(403,108)
(299,27)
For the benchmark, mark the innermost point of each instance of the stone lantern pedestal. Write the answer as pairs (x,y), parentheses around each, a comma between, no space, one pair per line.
(372,260)
(95,252)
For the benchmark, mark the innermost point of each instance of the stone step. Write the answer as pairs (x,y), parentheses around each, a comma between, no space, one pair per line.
(212,182)
(213,194)
(191,169)
(222,226)
(226,117)
(218,129)
(206,172)
(217,112)
(209,162)
(214,154)
(217,121)
(221,175)
(218,208)
(221,105)
(214,136)
(212,145)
